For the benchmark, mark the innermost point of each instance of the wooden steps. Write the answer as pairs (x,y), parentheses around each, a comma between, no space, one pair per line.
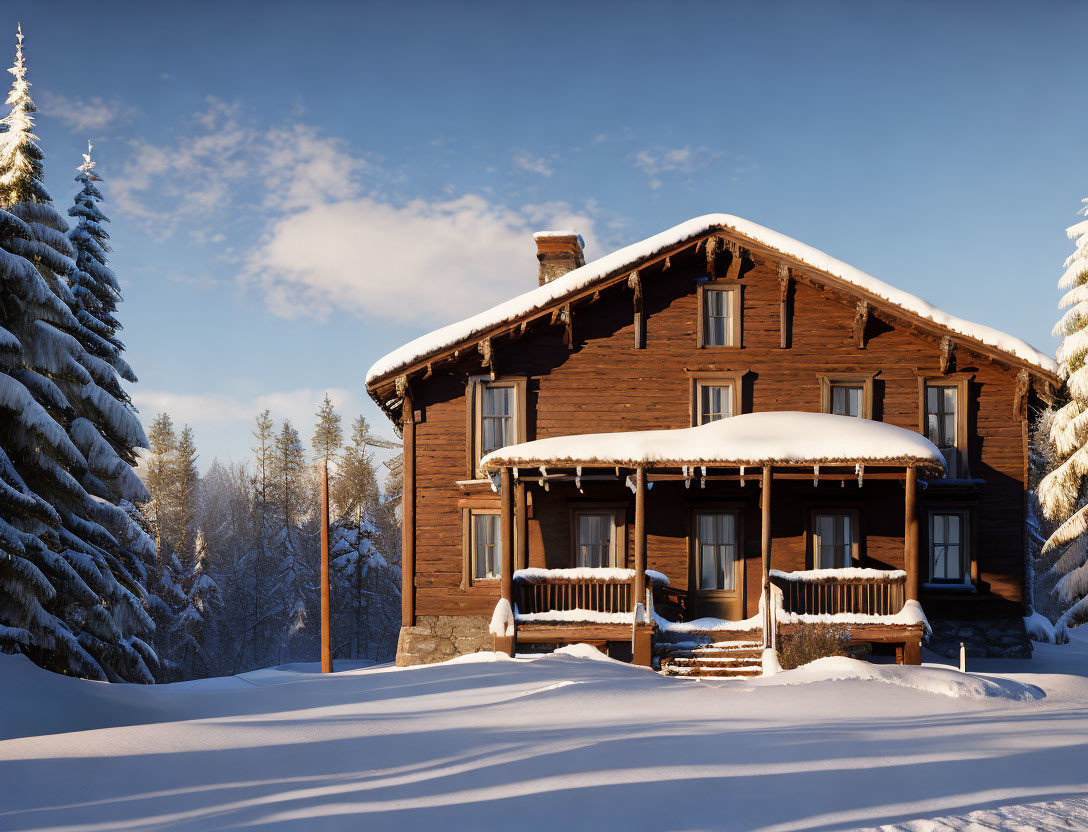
(713,654)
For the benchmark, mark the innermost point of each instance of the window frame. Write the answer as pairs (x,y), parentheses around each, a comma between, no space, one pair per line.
(693,550)
(715,379)
(862,380)
(812,552)
(469,510)
(474,397)
(618,512)
(969,530)
(962,385)
(736,307)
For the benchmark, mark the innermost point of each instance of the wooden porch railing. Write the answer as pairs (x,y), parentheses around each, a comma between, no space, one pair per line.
(880,593)
(551,591)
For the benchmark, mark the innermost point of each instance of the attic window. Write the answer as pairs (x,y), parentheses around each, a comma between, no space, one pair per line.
(497,416)
(719,314)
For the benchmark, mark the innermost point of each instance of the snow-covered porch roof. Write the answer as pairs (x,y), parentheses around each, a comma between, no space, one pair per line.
(750,440)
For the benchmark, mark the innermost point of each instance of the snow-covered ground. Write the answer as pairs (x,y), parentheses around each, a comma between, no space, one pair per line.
(559,742)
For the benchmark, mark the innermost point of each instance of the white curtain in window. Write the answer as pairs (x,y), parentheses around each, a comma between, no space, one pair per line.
(487,541)
(595,534)
(716,550)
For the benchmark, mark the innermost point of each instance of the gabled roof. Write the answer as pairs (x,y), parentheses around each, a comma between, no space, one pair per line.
(628,258)
(751,439)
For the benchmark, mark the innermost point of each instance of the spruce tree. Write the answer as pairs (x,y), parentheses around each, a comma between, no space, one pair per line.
(1063,493)
(295,578)
(328,434)
(95,593)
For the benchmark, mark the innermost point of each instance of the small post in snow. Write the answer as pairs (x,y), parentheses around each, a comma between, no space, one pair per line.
(326,634)
(963,658)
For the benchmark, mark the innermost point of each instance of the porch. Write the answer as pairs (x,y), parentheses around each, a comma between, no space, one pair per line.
(638,606)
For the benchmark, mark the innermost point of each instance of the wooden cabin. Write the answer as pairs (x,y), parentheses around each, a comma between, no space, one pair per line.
(539,507)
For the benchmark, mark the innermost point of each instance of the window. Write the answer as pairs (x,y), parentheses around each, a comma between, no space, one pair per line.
(715,402)
(847,394)
(715,396)
(944,421)
(482,545)
(715,550)
(846,400)
(949,562)
(719,315)
(834,539)
(497,416)
(599,535)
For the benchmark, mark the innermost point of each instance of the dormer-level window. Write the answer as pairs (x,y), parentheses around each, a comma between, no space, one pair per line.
(715,396)
(944,421)
(847,394)
(497,416)
(719,314)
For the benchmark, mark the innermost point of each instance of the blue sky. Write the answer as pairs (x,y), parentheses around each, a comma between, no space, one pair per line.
(298,188)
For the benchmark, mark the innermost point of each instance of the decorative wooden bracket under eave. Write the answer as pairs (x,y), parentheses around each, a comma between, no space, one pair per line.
(714,246)
(405,394)
(948,355)
(861,321)
(564,315)
(635,282)
(484,347)
(784,281)
(1021,395)
(736,262)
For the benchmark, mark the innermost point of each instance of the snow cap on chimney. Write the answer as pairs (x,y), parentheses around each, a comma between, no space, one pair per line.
(558,252)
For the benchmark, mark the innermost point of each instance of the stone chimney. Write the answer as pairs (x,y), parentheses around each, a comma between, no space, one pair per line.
(558,252)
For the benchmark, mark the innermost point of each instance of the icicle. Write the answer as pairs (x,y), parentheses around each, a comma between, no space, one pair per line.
(702,480)
(742,476)
(494,477)
(859,469)
(631,483)
(515,475)
(578,478)
(687,477)
(815,475)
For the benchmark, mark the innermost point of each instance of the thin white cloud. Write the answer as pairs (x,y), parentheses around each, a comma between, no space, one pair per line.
(526,162)
(658,162)
(85,115)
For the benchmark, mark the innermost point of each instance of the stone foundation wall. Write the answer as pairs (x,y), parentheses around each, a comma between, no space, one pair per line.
(436,638)
(984,638)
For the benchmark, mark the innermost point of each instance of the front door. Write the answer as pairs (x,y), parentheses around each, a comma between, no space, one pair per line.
(717,564)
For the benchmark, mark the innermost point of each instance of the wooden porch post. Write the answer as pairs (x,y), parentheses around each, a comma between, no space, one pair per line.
(408,515)
(506,533)
(765,499)
(640,536)
(508,643)
(521,515)
(910,534)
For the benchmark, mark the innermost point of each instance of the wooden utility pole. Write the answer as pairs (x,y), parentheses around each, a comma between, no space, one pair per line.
(326,624)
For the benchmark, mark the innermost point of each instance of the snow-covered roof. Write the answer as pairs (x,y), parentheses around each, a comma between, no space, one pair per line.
(752,439)
(630,256)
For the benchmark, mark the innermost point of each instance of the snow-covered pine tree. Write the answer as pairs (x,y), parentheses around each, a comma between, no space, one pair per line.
(295,578)
(93,283)
(362,530)
(1063,493)
(258,560)
(328,434)
(187,477)
(167,596)
(196,626)
(99,599)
